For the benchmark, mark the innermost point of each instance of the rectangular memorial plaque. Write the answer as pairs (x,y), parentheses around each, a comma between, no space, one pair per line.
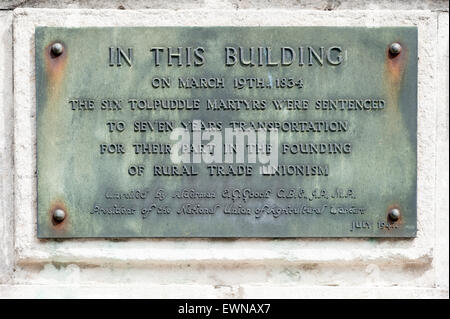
(226,131)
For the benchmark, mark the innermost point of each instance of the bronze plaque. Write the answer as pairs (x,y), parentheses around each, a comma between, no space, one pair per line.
(226,131)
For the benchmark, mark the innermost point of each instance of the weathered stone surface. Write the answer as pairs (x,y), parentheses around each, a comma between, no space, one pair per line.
(219,291)
(300,268)
(6,155)
(442,128)
(231,4)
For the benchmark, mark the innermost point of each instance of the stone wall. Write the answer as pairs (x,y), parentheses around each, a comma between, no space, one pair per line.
(182,268)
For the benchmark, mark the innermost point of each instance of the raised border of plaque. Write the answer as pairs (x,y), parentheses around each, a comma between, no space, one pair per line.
(343,101)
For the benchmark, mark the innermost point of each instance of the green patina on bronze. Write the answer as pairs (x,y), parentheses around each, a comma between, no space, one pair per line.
(74,177)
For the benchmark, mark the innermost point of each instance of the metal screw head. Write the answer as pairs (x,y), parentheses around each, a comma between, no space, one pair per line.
(59,215)
(395,48)
(57,49)
(394,214)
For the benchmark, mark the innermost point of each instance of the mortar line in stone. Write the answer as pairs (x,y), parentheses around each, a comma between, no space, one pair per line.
(13,166)
(436,61)
(436,150)
(436,258)
(6,166)
(10,258)
(13,149)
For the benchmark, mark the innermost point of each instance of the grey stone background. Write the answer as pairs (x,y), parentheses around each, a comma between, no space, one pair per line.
(307,268)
